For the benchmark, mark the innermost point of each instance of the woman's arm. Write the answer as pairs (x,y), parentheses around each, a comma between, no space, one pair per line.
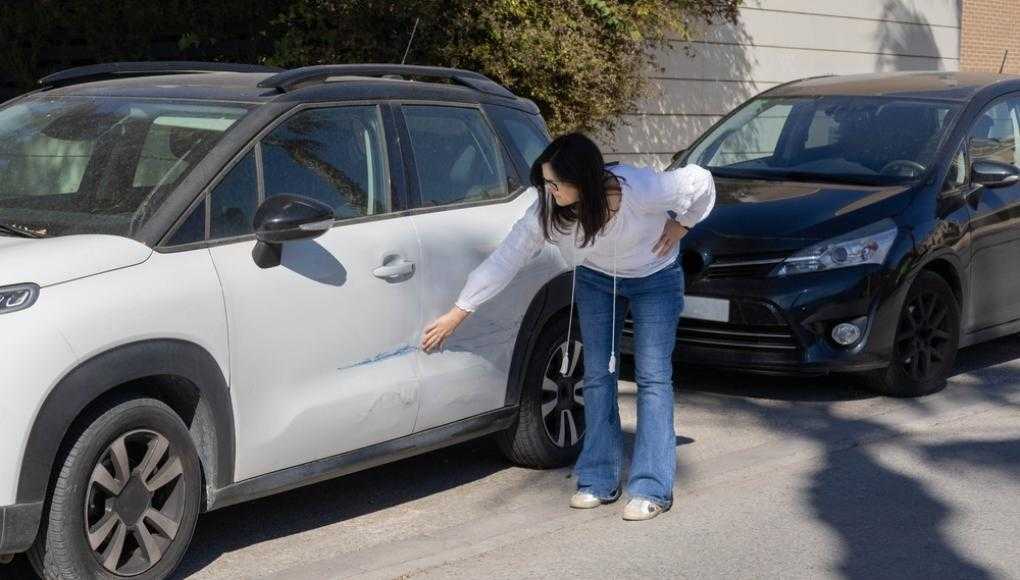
(523,242)
(689,191)
(490,277)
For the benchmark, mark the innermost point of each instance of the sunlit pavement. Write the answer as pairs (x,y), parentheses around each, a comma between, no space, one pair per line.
(777,477)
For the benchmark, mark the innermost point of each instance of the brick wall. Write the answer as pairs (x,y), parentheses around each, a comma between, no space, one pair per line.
(988,28)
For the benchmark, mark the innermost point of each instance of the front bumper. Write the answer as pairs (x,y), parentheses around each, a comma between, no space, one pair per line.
(783,325)
(19,524)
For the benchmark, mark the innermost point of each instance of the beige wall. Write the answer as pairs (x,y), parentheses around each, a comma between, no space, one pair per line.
(777,41)
(989,27)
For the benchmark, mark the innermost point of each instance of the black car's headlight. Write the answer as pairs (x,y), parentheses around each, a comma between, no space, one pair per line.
(867,245)
(17,297)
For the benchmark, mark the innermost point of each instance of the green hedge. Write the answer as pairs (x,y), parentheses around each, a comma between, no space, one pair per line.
(582,61)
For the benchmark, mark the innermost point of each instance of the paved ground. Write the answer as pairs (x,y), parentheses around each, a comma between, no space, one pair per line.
(777,478)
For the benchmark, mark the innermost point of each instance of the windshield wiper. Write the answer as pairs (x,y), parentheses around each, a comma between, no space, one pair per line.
(20,231)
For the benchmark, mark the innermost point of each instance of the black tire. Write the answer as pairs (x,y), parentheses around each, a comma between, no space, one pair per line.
(927,338)
(127,433)
(534,440)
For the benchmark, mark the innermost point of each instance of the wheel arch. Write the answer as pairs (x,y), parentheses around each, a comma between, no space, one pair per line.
(950,272)
(182,374)
(552,300)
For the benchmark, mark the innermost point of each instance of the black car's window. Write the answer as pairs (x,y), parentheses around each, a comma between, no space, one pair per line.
(233,202)
(527,138)
(878,140)
(993,137)
(334,155)
(99,165)
(755,139)
(193,228)
(457,156)
(957,175)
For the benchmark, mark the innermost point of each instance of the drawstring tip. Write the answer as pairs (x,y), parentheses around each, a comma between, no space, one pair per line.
(612,363)
(565,365)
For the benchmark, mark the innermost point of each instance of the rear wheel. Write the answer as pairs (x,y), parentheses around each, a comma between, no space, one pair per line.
(927,338)
(126,499)
(550,425)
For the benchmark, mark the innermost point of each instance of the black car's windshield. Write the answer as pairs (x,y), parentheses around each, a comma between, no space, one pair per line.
(870,140)
(77,165)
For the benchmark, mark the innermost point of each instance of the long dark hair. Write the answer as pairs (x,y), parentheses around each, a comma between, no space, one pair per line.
(575,159)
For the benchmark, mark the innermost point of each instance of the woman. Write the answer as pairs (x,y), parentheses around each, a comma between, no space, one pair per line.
(608,223)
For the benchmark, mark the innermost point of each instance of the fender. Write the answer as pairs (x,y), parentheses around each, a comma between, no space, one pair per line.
(212,423)
(552,298)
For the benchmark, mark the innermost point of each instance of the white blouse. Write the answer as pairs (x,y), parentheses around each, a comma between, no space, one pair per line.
(623,248)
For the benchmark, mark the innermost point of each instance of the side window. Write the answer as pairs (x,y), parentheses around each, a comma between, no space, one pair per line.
(528,140)
(457,156)
(170,146)
(993,136)
(334,155)
(193,228)
(755,139)
(957,175)
(822,131)
(233,202)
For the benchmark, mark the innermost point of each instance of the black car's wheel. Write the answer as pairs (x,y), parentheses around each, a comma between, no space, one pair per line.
(125,502)
(927,338)
(550,423)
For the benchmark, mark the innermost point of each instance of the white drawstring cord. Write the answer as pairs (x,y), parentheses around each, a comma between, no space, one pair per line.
(612,351)
(570,325)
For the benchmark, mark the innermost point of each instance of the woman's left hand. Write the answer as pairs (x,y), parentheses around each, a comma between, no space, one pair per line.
(671,234)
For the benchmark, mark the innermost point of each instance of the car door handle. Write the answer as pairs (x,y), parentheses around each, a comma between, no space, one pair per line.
(399,267)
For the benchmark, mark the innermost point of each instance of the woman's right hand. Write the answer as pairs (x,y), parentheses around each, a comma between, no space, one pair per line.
(439,329)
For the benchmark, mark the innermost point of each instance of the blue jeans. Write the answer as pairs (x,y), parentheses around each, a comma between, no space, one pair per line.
(655,303)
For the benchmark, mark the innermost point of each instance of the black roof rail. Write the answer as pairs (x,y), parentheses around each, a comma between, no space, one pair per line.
(111,70)
(294,78)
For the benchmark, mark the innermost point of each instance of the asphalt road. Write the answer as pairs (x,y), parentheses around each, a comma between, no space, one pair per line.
(777,477)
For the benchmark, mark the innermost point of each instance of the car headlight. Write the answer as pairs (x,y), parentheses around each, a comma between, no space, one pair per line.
(867,245)
(17,297)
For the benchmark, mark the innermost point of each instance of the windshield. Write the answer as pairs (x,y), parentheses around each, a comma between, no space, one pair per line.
(99,165)
(870,140)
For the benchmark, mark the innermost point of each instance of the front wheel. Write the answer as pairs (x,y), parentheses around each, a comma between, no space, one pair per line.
(550,426)
(126,499)
(927,338)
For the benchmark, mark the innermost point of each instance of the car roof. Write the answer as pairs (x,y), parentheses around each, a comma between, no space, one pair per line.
(955,86)
(243,86)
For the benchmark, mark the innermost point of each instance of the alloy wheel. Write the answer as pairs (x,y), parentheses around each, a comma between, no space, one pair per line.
(135,502)
(923,337)
(562,399)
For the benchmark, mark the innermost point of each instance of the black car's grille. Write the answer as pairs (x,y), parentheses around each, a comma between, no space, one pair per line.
(723,335)
(751,267)
(753,325)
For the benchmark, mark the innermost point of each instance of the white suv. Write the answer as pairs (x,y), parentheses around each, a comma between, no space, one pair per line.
(213,281)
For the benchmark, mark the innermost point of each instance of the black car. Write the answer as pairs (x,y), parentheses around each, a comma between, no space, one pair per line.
(866,224)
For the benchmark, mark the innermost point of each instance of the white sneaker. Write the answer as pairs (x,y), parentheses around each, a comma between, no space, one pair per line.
(584,499)
(642,509)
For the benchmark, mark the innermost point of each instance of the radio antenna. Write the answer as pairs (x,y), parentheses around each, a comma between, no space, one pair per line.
(1003,65)
(408,49)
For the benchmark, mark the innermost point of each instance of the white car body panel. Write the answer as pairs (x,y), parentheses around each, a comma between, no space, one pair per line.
(469,376)
(48,261)
(322,349)
(174,296)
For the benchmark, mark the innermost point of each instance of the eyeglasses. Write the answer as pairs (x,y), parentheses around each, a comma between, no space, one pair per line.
(551,185)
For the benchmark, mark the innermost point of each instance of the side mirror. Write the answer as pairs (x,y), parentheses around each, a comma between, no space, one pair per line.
(285,218)
(994,173)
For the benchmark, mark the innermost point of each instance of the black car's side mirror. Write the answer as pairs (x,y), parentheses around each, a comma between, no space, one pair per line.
(284,218)
(994,173)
